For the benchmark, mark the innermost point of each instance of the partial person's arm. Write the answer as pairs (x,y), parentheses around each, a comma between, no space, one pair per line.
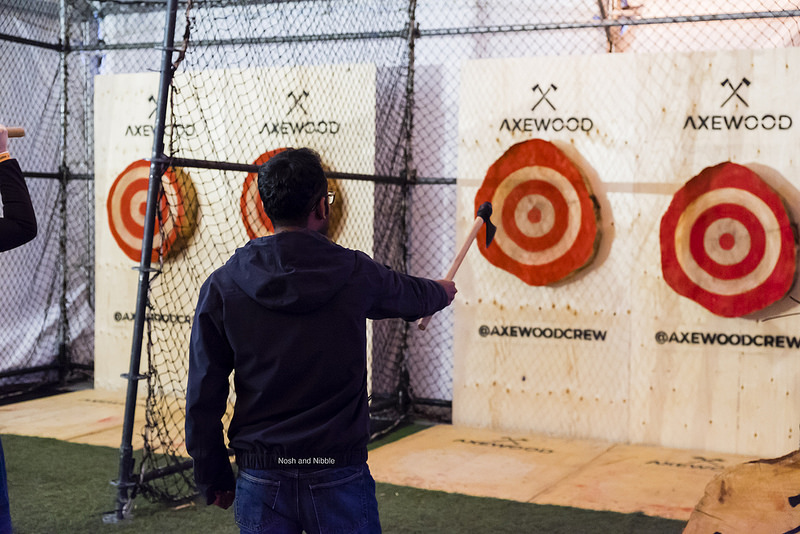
(402,295)
(210,365)
(18,224)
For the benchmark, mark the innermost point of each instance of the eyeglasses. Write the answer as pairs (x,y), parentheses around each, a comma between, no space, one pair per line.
(331,197)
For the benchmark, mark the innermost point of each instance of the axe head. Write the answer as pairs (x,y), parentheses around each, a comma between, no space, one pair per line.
(485,212)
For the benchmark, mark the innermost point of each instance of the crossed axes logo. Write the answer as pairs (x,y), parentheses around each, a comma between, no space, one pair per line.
(543,98)
(735,91)
(297,101)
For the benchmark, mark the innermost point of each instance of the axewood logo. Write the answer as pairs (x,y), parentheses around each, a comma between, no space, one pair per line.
(733,96)
(544,120)
(170,129)
(298,120)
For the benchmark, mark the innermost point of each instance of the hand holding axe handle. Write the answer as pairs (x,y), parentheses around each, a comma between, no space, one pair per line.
(484,212)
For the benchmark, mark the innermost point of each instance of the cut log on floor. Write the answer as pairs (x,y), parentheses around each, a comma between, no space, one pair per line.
(760,497)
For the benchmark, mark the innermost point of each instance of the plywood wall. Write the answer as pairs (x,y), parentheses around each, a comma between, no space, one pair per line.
(639,127)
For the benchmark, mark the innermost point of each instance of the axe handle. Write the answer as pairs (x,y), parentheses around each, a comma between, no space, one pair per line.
(451,272)
(16,131)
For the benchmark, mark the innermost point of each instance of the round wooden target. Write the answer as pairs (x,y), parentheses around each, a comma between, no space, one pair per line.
(255,219)
(727,242)
(126,206)
(545,216)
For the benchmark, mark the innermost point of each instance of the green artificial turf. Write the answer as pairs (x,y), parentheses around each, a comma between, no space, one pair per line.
(409,510)
(60,487)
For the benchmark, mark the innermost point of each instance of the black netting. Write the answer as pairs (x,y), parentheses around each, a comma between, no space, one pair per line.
(48,286)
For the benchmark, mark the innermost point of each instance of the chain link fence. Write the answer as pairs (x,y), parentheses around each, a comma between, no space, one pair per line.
(47,288)
(250,77)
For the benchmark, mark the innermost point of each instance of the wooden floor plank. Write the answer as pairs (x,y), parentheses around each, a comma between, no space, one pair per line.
(580,473)
(481,462)
(89,416)
(654,480)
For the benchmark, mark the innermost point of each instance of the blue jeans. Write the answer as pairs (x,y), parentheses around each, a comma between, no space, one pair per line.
(5,512)
(338,500)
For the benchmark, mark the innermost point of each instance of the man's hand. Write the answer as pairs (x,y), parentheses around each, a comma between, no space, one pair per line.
(224,499)
(449,288)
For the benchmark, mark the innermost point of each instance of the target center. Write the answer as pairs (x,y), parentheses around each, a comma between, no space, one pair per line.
(535,215)
(727,241)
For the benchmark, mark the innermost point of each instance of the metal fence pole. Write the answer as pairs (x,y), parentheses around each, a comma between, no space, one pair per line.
(62,360)
(405,399)
(157,168)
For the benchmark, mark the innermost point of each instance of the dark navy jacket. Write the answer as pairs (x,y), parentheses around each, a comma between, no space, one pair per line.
(18,224)
(287,313)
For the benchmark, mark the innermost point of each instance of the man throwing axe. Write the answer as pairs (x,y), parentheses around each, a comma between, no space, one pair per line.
(17,227)
(288,314)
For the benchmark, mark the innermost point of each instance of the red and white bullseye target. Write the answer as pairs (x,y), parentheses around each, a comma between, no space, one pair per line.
(126,205)
(545,217)
(727,242)
(255,219)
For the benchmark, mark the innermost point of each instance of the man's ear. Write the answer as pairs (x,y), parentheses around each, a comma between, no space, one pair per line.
(319,208)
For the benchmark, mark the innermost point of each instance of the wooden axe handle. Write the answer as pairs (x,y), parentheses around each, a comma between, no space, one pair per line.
(16,131)
(451,272)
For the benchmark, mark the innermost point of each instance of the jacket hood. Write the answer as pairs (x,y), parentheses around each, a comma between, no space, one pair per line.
(294,272)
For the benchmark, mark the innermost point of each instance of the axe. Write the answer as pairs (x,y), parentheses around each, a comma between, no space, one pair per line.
(482,217)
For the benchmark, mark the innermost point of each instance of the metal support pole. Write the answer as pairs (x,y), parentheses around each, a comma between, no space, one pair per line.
(404,395)
(410,172)
(603,17)
(63,334)
(125,481)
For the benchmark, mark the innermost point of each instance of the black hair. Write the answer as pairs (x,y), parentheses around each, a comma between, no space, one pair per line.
(290,183)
